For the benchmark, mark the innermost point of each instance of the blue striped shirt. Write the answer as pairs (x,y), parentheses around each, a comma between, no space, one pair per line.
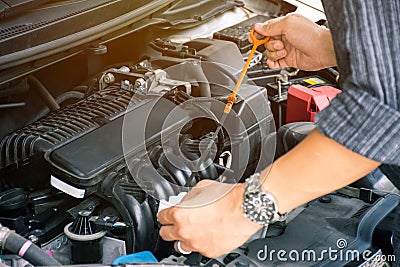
(366,116)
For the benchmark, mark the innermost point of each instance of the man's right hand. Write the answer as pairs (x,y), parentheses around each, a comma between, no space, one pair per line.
(297,42)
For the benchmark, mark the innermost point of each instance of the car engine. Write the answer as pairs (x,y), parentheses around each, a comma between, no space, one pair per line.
(92,143)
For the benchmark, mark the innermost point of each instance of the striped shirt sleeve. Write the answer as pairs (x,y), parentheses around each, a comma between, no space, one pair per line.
(365,117)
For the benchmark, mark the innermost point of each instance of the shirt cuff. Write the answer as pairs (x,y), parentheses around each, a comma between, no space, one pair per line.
(360,122)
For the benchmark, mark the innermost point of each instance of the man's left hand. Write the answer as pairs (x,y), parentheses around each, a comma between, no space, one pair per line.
(209,219)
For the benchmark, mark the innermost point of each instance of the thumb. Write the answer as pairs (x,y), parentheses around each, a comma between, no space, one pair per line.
(274,27)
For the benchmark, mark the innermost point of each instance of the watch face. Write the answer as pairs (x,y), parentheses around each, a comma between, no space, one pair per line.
(259,207)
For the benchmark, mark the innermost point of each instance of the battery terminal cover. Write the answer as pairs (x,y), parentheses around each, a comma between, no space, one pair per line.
(303,103)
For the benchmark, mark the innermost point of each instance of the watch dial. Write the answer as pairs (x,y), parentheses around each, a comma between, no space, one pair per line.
(259,207)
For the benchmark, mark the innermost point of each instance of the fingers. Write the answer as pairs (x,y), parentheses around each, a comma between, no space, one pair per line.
(274,45)
(275,50)
(274,27)
(277,64)
(172,222)
(276,55)
(169,233)
(272,64)
(172,232)
(164,217)
(256,35)
(280,26)
(172,216)
(181,247)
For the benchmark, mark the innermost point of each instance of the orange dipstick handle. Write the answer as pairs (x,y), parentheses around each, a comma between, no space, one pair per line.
(256,43)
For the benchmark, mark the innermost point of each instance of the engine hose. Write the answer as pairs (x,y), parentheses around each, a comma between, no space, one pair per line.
(23,247)
(60,99)
(209,172)
(334,73)
(194,72)
(43,92)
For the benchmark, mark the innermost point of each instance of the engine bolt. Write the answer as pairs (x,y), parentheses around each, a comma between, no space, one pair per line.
(126,85)
(140,85)
(34,239)
(109,78)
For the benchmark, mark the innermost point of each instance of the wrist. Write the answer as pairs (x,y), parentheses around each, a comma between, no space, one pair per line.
(328,58)
(270,183)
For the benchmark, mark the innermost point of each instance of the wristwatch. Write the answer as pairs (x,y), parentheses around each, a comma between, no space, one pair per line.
(259,206)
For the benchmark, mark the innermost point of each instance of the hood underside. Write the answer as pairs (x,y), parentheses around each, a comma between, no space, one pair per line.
(31,30)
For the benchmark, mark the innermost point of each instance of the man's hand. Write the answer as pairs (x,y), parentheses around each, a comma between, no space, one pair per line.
(209,219)
(297,42)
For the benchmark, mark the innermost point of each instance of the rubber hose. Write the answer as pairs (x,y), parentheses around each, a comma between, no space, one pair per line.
(204,86)
(29,251)
(60,99)
(69,95)
(43,92)
(334,73)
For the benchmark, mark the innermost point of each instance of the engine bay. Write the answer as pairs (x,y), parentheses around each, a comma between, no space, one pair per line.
(131,122)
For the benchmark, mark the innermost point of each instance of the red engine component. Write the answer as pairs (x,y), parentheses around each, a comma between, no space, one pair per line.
(303,103)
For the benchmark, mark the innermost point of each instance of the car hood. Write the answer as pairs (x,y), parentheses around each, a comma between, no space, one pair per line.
(32,30)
